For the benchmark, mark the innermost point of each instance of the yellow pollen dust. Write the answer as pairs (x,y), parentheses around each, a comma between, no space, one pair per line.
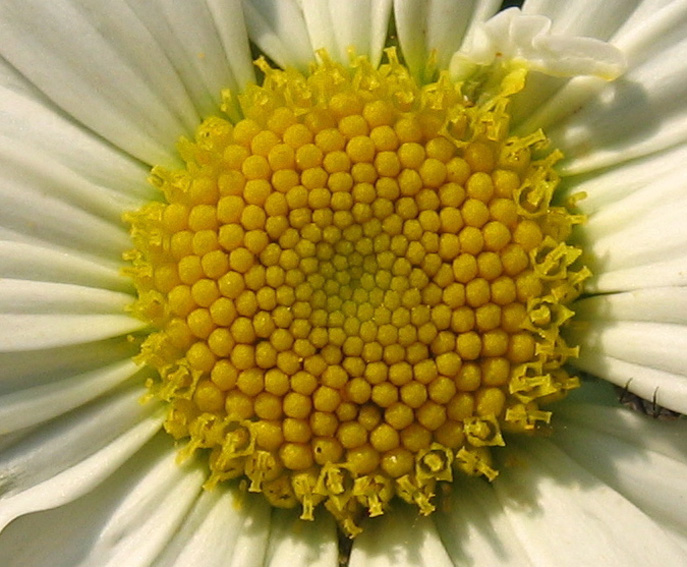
(356,288)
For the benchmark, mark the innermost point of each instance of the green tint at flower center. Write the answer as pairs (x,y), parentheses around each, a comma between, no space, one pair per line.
(356,288)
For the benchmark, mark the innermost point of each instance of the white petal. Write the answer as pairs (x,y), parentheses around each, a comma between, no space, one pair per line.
(225,528)
(645,32)
(27,369)
(30,297)
(68,457)
(44,315)
(193,43)
(655,345)
(595,19)
(653,384)
(670,272)
(38,194)
(642,112)
(296,542)
(640,229)
(103,67)
(609,441)
(516,36)
(33,405)
(279,30)
(399,537)
(30,121)
(475,530)
(32,332)
(28,262)
(140,526)
(656,305)
(440,25)
(604,188)
(565,516)
(647,355)
(335,26)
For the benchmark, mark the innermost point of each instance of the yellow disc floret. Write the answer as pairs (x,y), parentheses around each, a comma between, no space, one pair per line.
(356,288)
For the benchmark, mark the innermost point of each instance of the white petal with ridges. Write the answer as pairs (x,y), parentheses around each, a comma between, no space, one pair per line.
(102,67)
(24,297)
(225,528)
(565,516)
(279,30)
(639,114)
(29,120)
(655,273)
(440,25)
(598,19)
(144,521)
(644,227)
(196,51)
(37,315)
(666,388)
(67,458)
(335,26)
(657,305)
(652,344)
(399,537)
(603,188)
(38,404)
(27,369)
(631,452)
(295,542)
(33,332)
(28,262)
(475,530)
(38,194)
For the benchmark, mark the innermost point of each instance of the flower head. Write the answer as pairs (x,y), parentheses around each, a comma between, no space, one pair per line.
(360,272)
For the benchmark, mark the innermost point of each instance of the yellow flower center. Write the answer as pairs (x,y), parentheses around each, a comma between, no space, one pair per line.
(357,287)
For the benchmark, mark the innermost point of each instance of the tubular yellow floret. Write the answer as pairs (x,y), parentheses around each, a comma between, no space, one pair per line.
(357,287)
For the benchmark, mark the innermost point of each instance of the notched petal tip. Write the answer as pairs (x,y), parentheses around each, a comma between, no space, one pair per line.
(512,35)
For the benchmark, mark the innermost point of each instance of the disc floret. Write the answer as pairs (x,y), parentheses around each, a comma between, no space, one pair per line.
(357,287)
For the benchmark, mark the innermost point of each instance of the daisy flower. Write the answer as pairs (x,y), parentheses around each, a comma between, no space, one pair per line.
(312,282)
